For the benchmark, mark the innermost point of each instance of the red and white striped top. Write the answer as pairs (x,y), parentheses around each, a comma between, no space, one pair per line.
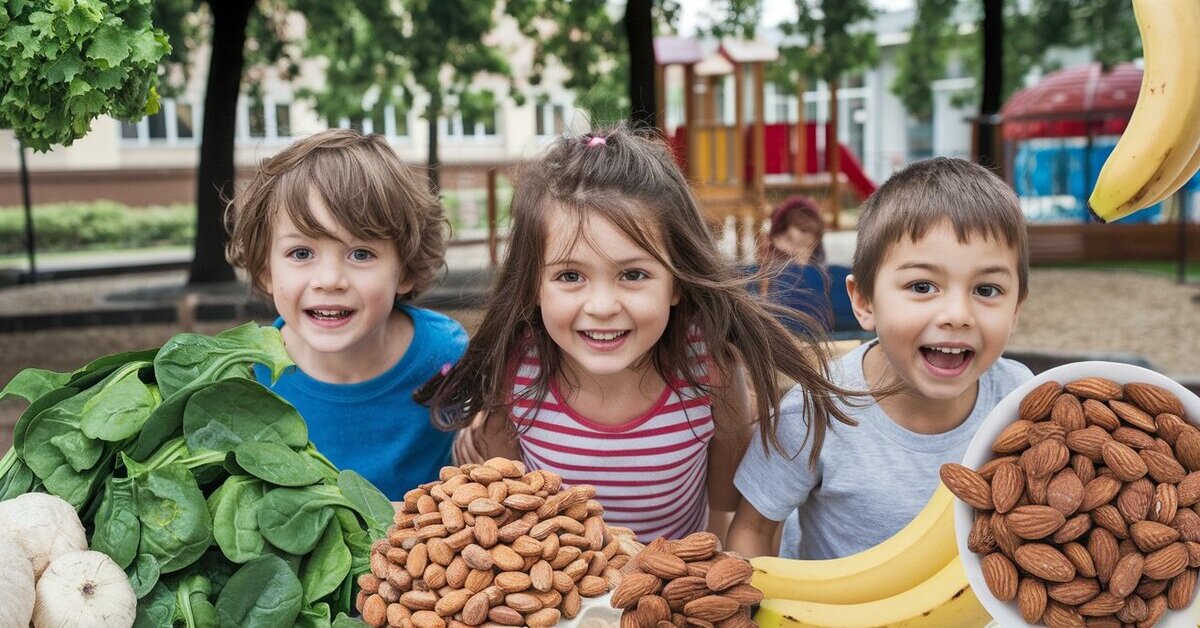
(649,472)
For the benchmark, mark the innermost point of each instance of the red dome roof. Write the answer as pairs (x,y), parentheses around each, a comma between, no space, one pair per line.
(1059,105)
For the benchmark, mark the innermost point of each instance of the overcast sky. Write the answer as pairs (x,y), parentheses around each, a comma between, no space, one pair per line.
(691,12)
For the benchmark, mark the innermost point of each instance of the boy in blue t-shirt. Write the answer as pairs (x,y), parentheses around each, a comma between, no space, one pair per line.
(341,235)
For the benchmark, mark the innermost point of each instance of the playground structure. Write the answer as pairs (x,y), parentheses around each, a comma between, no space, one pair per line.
(739,168)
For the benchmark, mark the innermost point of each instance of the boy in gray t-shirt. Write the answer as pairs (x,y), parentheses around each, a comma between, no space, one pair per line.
(940,272)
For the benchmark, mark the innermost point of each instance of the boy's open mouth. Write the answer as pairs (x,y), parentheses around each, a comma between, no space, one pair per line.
(329,315)
(946,358)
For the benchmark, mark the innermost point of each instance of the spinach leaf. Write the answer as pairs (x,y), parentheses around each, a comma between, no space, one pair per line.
(293,519)
(18,479)
(188,358)
(344,621)
(156,609)
(118,359)
(120,406)
(46,401)
(176,527)
(143,575)
(228,413)
(277,464)
(61,456)
(117,528)
(328,564)
(234,510)
(191,602)
(315,616)
(165,423)
(372,503)
(264,593)
(357,539)
(31,383)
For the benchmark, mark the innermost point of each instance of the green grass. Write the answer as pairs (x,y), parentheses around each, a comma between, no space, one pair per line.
(1168,268)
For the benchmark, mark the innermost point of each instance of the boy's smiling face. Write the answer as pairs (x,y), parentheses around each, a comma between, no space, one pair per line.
(336,294)
(943,310)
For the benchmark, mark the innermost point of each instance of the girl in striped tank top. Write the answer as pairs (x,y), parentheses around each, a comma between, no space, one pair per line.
(619,348)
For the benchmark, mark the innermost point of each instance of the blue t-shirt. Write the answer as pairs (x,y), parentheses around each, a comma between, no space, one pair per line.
(375,427)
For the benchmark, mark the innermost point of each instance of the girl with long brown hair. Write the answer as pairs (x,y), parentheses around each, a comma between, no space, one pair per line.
(620,349)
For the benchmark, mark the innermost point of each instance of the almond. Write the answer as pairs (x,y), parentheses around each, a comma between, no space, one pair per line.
(397,613)
(727,572)
(1133,415)
(1096,388)
(1084,468)
(523,602)
(1046,430)
(1074,592)
(1068,413)
(967,485)
(1005,539)
(1088,441)
(1008,483)
(506,616)
(1126,574)
(632,588)
(1102,545)
(1045,562)
(487,533)
(1135,499)
(654,608)
(1037,489)
(1036,405)
(1074,528)
(374,611)
(980,539)
(662,564)
(1134,610)
(1035,522)
(1188,524)
(1031,599)
(1179,593)
(1162,468)
(1109,518)
(1187,449)
(427,619)
(1125,463)
(711,608)
(1065,492)
(1153,399)
(680,591)
(1170,426)
(1045,458)
(1151,588)
(1188,489)
(477,558)
(1013,439)
(453,602)
(523,502)
(419,600)
(475,611)
(1000,575)
(1103,604)
(698,546)
(1193,550)
(1155,606)
(1167,562)
(512,581)
(744,594)
(543,619)
(1165,504)
(1099,414)
(988,470)
(1098,492)
(1059,615)
(1151,535)
(1135,438)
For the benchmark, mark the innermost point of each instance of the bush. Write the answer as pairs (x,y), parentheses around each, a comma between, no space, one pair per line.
(99,225)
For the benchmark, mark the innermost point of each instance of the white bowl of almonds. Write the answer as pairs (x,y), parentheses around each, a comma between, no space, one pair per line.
(1079,498)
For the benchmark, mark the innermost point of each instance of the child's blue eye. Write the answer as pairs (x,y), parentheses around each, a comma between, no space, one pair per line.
(300,254)
(361,255)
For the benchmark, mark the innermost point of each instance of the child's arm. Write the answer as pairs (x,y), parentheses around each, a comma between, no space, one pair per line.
(732,409)
(752,534)
(488,436)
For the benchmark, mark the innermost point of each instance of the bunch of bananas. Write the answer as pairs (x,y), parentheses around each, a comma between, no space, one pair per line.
(914,578)
(1158,152)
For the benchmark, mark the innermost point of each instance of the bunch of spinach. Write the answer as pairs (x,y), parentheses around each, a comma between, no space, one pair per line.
(199,482)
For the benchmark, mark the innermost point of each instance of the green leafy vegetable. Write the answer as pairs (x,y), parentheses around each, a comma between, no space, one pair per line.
(264,593)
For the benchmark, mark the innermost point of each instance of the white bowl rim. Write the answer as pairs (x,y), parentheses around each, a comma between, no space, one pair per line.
(979,451)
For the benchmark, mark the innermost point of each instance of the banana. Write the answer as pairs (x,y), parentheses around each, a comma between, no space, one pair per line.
(1164,129)
(1188,172)
(908,558)
(944,600)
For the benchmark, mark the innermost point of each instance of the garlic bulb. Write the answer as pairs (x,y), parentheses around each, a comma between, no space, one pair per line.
(16,586)
(84,589)
(45,526)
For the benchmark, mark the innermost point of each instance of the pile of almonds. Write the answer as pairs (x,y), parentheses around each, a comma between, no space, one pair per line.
(686,582)
(1089,514)
(491,543)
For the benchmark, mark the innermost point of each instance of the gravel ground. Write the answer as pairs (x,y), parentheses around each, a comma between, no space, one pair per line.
(1067,311)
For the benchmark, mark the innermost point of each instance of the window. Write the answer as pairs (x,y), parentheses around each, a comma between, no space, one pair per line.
(257,118)
(550,119)
(175,123)
(283,120)
(384,120)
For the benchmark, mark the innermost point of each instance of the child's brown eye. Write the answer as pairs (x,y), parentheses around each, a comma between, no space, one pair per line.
(922,287)
(988,291)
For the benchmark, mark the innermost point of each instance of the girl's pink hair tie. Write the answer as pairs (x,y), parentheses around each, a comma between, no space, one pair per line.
(597,140)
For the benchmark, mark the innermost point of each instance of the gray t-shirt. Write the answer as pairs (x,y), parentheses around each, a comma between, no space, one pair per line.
(870,481)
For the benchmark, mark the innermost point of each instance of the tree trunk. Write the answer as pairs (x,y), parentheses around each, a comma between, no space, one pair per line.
(639,31)
(833,158)
(800,163)
(993,82)
(215,175)
(432,164)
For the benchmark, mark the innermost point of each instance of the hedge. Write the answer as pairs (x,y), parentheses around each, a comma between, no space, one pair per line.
(98,225)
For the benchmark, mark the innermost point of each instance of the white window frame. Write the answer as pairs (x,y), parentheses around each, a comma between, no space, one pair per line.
(170,126)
